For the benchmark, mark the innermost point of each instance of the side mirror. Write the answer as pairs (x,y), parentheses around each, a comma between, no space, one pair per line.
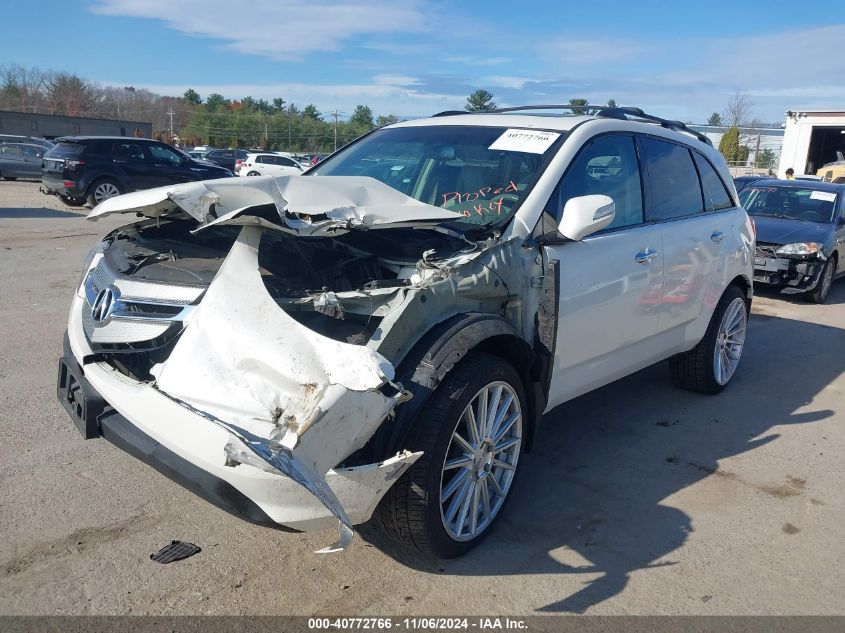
(584,215)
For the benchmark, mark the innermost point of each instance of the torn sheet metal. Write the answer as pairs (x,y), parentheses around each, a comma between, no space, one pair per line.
(291,398)
(311,205)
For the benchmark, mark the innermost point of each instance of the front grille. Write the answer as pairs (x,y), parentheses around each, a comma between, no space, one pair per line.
(138,311)
(766,249)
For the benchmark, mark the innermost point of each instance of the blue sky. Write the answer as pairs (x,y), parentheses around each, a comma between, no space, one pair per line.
(416,57)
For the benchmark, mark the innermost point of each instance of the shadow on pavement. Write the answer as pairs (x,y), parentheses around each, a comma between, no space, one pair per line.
(835,297)
(42,212)
(592,490)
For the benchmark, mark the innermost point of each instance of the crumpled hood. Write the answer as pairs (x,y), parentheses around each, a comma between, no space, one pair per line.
(310,205)
(786,231)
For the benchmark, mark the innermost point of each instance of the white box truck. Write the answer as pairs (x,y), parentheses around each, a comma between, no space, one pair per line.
(811,140)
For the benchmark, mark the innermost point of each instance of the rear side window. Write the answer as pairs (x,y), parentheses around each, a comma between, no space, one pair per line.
(128,150)
(9,151)
(715,195)
(607,166)
(674,188)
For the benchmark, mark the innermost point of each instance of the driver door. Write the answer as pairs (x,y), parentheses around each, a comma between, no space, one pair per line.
(611,281)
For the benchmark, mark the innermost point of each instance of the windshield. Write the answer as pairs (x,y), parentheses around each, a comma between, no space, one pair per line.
(794,203)
(483,173)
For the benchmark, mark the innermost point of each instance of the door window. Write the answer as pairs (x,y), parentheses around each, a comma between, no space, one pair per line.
(164,154)
(286,162)
(716,196)
(607,166)
(9,151)
(673,181)
(30,153)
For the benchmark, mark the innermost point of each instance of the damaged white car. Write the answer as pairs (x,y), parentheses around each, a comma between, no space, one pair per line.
(381,336)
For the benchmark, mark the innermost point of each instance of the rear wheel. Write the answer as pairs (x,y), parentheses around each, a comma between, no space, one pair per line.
(471,437)
(73,202)
(822,289)
(709,366)
(253,173)
(103,189)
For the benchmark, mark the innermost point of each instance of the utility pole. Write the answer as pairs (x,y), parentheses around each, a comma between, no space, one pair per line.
(289,146)
(335,129)
(170,113)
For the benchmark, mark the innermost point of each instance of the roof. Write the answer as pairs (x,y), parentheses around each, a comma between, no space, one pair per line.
(563,123)
(76,139)
(816,185)
(546,117)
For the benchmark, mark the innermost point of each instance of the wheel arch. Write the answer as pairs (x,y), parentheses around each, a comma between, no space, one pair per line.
(744,284)
(436,354)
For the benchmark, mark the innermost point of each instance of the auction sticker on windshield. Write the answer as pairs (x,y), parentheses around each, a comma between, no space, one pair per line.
(828,196)
(531,141)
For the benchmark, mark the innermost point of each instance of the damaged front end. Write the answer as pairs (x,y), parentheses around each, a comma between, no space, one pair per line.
(213,303)
(790,273)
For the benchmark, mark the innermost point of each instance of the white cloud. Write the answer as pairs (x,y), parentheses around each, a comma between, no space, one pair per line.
(395,80)
(504,81)
(280,29)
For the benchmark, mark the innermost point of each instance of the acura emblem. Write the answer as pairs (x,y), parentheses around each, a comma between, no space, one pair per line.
(104,304)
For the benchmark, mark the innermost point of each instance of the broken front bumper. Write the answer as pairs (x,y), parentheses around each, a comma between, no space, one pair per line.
(187,449)
(252,398)
(786,274)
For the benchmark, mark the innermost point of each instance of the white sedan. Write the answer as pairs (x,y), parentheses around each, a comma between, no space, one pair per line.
(269,165)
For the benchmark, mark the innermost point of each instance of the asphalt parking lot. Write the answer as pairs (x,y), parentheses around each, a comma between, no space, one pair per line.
(638,499)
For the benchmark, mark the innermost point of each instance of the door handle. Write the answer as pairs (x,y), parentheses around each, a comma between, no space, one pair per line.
(717,236)
(644,257)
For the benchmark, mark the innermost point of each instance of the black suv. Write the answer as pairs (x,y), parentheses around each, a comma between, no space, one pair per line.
(227,158)
(90,169)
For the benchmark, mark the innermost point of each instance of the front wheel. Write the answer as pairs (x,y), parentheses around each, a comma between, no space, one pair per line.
(253,173)
(822,289)
(709,366)
(471,435)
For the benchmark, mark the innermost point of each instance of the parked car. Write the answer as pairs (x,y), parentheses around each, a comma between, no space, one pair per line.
(91,169)
(266,164)
(27,140)
(741,182)
(20,160)
(227,158)
(380,336)
(800,235)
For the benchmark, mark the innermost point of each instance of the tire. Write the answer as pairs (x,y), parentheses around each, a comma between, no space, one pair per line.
(107,187)
(822,289)
(696,370)
(253,173)
(73,202)
(411,512)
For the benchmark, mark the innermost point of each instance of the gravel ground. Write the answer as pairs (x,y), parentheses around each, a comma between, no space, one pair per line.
(639,498)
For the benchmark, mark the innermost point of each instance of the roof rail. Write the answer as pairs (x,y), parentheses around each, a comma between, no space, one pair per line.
(637,113)
(621,113)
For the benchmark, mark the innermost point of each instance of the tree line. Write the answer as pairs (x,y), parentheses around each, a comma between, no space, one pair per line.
(192,119)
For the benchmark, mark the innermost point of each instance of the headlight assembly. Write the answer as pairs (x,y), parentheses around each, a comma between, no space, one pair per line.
(802,248)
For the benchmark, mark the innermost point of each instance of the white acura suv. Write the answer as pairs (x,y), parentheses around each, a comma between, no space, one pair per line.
(381,336)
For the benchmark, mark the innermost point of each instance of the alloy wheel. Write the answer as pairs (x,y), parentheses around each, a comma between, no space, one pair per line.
(104,191)
(730,339)
(480,463)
